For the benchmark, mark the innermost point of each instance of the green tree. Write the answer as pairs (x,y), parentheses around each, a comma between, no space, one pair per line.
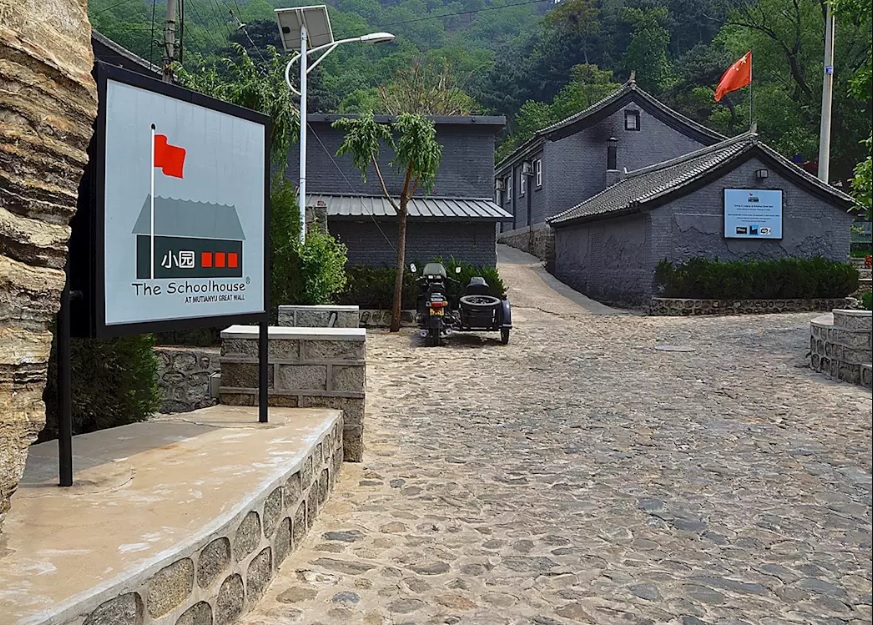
(578,16)
(858,13)
(426,88)
(647,53)
(417,153)
(257,86)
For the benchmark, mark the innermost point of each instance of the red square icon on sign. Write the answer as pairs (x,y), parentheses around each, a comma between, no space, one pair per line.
(206,259)
(232,260)
(219,259)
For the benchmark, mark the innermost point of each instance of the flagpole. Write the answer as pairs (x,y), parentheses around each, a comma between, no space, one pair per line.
(751,101)
(152,209)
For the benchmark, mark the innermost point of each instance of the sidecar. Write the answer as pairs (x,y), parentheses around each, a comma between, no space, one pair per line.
(479,311)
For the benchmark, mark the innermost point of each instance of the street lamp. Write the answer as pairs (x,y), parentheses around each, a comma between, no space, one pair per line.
(306,30)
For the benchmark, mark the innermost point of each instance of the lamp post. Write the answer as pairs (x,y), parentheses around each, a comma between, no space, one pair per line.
(306,31)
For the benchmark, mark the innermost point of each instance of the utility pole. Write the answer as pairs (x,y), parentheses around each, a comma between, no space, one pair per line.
(824,139)
(169,42)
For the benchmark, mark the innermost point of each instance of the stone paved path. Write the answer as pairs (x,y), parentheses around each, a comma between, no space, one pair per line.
(583,475)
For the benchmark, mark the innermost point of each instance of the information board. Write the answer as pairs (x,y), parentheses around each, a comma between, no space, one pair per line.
(753,213)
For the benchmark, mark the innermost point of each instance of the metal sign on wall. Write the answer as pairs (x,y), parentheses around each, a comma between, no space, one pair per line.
(753,213)
(178,219)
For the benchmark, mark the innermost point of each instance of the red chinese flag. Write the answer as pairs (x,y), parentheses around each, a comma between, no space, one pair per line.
(738,76)
(170,158)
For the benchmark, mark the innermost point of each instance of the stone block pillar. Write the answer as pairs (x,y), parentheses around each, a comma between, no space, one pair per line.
(308,368)
(328,316)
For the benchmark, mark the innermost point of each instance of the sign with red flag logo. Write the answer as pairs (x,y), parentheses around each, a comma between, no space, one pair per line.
(737,76)
(170,158)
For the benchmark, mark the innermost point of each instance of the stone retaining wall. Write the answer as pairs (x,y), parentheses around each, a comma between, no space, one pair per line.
(183,377)
(308,368)
(681,307)
(537,240)
(841,346)
(329,316)
(382,318)
(217,582)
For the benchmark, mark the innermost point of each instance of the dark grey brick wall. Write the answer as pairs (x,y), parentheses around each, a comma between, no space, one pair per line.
(575,167)
(467,168)
(693,225)
(614,260)
(473,243)
(606,260)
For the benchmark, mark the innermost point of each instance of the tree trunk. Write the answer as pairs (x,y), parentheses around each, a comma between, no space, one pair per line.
(401,267)
(48,103)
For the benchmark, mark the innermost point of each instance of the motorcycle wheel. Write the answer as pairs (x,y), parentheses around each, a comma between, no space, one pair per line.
(504,335)
(434,338)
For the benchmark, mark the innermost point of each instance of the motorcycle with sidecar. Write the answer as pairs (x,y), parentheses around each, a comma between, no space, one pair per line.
(476,310)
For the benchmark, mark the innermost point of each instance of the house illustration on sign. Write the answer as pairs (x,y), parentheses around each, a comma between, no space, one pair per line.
(192,240)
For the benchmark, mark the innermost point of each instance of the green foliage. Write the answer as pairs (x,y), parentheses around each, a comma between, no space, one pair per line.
(363,140)
(114,383)
(426,88)
(257,86)
(783,278)
(862,185)
(286,275)
(867,301)
(309,274)
(647,52)
(322,264)
(373,287)
(588,85)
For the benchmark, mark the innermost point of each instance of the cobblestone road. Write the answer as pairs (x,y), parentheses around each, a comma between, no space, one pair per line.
(583,475)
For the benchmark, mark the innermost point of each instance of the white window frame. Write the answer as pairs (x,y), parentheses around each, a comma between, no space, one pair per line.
(538,169)
(635,115)
(509,188)
(522,184)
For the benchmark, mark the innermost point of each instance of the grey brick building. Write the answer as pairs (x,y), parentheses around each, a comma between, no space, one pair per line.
(608,246)
(570,161)
(458,219)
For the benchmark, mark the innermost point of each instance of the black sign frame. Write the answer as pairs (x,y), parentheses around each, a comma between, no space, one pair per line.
(86,265)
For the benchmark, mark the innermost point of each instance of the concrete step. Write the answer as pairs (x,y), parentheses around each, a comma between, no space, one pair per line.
(165,516)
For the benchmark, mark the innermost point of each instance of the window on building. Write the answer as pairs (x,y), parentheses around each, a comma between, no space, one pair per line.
(631,120)
(522,184)
(508,185)
(538,170)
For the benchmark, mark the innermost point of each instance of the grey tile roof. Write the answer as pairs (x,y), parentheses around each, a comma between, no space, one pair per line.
(430,208)
(628,92)
(673,177)
(184,218)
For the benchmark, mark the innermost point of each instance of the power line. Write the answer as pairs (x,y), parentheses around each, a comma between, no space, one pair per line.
(437,17)
(110,7)
(349,182)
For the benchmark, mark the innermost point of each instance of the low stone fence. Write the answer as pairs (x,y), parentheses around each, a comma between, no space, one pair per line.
(537,240)
(382,318)
(841,346)
(184,377)
(328,316)
(219,581)
(308,368)
(663,306)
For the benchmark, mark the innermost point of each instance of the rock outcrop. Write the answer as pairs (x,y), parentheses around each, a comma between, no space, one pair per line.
(48,102)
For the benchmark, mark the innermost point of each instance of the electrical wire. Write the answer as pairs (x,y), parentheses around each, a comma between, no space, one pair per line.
(110,7)
(349,182)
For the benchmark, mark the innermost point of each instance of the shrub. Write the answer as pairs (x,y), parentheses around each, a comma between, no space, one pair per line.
(114,382)
(373,287)
(783,278)
(322,266)
(867,301)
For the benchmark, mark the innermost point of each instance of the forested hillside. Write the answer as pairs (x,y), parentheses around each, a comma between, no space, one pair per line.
(537,62)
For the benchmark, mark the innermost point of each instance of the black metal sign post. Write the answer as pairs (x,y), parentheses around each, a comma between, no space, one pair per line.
(65,397)
(263,373)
